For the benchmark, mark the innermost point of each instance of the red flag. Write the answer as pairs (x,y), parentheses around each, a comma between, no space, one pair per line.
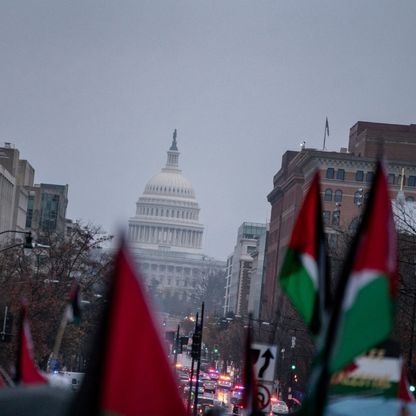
(131,374)
(250,399)
(73,307)
(403,392)
(26,370)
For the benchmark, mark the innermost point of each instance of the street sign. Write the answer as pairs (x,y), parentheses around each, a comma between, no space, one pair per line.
(264,358)
(263,396)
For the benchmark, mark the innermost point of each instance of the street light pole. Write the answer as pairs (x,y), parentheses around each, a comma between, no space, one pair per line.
(28,243)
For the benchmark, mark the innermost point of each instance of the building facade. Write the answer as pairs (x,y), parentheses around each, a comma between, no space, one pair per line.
(16,175)
(166,237)
(244,276)
(345,180)
(46,211)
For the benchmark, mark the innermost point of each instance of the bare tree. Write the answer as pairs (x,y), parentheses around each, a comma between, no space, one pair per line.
(44,278)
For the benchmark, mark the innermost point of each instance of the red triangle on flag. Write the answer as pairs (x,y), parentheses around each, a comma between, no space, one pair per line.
(403,392)
(27,372)
(131,374)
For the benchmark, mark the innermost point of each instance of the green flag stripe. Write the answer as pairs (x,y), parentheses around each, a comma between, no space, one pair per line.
(298,285)
(372,305)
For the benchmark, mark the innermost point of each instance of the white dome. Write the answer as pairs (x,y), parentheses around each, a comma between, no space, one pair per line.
(170,182)
(167,213)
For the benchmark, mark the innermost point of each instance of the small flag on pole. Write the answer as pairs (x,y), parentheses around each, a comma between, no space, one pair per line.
(326,133)
(26,370)
(73,308)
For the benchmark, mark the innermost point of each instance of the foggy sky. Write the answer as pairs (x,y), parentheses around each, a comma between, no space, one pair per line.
(91,91)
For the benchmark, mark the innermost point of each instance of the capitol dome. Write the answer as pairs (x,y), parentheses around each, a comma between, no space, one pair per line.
(170,183)
(167,213)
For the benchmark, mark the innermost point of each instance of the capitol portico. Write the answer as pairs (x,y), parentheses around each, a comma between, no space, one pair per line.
(166,236)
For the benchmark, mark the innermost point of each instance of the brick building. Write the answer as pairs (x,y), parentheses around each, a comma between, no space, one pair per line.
(345,179)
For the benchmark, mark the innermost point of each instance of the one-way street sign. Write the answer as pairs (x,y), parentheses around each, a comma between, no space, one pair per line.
(265,359)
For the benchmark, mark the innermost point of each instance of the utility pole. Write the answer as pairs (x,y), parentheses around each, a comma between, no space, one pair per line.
(198,355)
(176,348)
(188,409)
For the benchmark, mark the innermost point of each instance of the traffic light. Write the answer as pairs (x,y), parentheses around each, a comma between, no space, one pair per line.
(293,366)
(183,341)
(196,344)
(215,349)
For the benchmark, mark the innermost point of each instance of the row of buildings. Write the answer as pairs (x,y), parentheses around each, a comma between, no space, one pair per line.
(252,269)
(25,205)
(166,236)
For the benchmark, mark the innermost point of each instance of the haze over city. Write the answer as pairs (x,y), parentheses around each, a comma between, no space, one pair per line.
(91,93)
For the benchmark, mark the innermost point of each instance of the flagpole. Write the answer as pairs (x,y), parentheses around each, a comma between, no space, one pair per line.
(58,339)
(175,355)
(326,130)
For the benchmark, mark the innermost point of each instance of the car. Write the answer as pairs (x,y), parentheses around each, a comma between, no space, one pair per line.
(279,407)
(213,374)
(224,382)
(210,385)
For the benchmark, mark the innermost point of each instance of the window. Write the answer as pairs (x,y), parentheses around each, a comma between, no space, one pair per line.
(332,240)
(359,175)
(336,217)
(341,174)
(330,173)
(358,197)
(369,176)
(326,216)
(251,249)
(328,195)
(411,181)
(29,215)
(338,195)
(354,224)
(391,178)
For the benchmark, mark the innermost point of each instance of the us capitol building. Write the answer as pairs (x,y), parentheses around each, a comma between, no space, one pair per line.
(166,236)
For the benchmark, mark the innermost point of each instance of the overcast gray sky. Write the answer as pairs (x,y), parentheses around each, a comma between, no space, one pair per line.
(91,91)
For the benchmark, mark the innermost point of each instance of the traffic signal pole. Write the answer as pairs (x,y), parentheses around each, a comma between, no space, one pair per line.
(188,409)
(198,363)
(176,344)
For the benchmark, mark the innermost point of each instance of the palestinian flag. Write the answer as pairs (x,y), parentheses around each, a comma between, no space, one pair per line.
(250,393)
(129,373)
(73,307)
(304,273)
(26,370)
(369,281)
